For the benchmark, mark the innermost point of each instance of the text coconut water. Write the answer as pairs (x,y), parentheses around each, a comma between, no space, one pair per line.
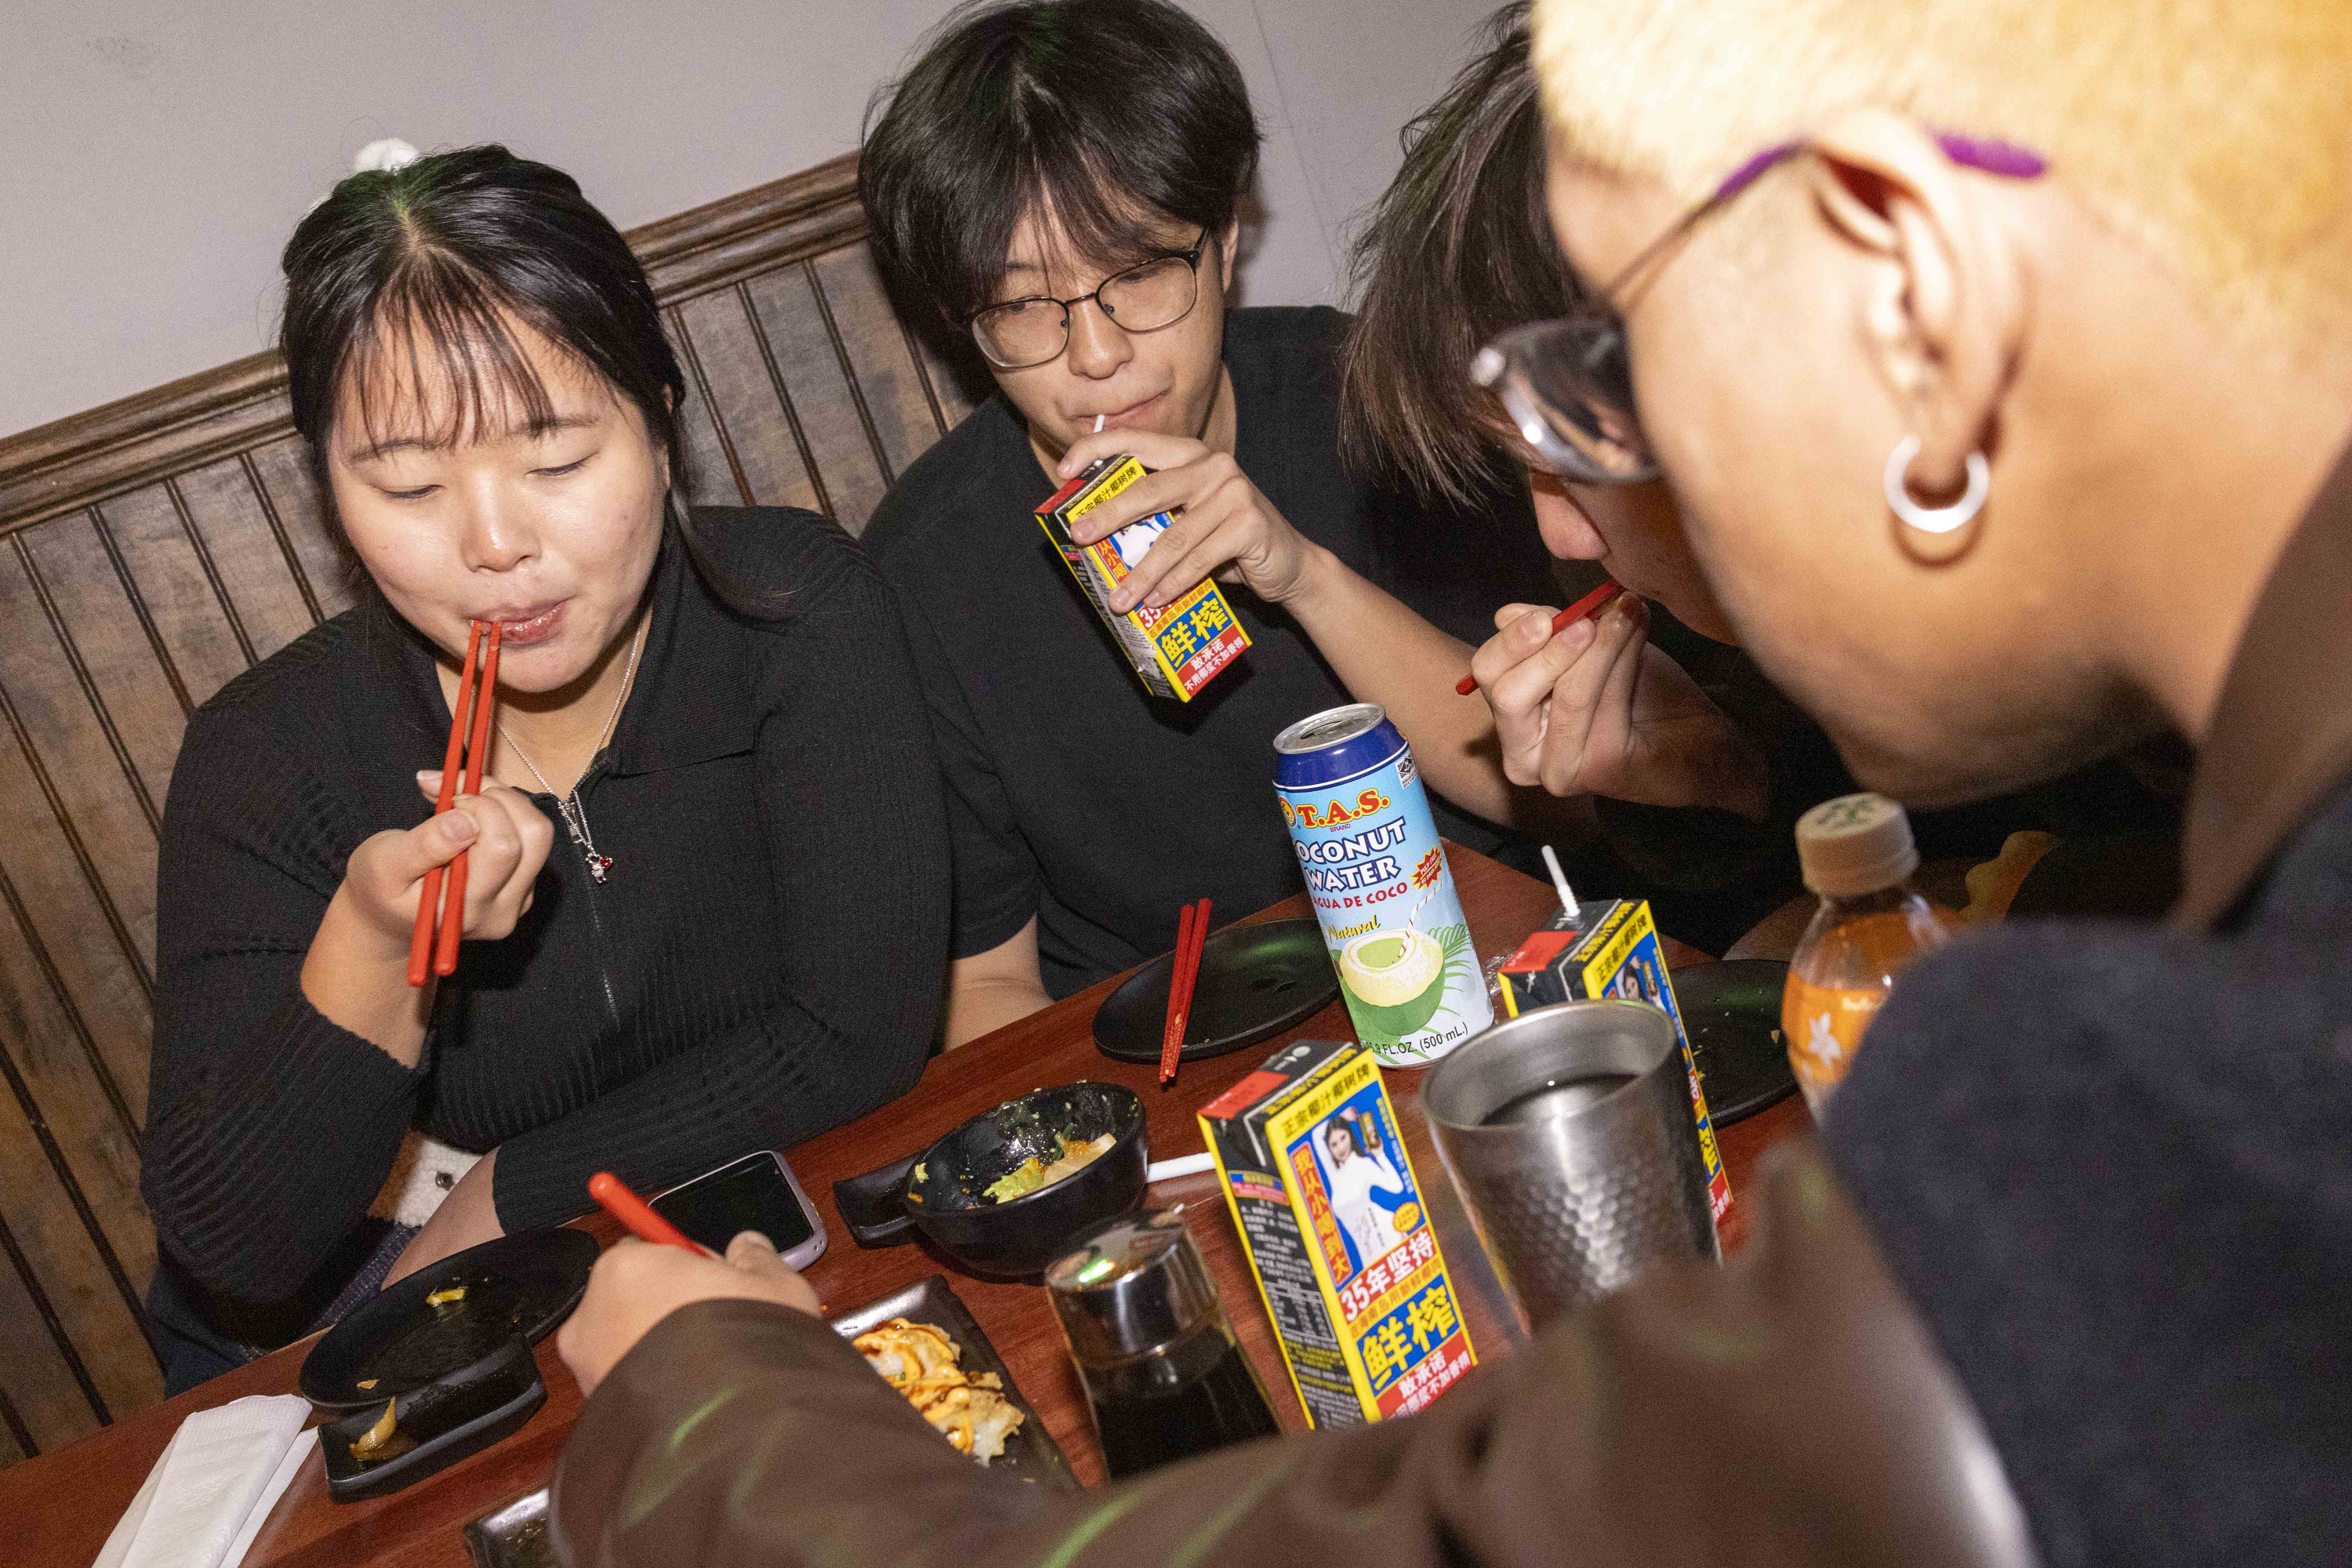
(1377,875)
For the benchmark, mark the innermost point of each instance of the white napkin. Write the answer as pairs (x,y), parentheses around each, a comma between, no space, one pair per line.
(207,1497)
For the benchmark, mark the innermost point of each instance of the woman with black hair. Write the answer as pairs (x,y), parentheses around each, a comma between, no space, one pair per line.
(716,710)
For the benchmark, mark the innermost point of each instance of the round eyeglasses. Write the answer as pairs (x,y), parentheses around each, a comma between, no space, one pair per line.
(1568,384)
(1151,294)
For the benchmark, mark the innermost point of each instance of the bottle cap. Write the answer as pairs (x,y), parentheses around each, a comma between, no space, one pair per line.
(1129,1287)
(1854,845)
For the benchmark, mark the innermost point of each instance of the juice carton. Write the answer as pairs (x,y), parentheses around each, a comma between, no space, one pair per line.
(1177,648)
(1338,1236)
(1610,951)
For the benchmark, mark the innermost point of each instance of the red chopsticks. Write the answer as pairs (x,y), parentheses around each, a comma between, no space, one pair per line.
(436,948)
(1592,604)
(635,1214)
(1184,969)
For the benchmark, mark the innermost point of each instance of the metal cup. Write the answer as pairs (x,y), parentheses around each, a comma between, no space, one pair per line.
(1568,1133)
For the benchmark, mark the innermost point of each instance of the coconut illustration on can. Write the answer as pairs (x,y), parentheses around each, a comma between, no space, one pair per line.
(1376,874)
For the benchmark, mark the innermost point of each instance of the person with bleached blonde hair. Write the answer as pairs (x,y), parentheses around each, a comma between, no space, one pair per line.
(2000,356)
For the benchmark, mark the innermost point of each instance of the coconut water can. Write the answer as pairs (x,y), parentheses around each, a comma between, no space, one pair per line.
(1377,875)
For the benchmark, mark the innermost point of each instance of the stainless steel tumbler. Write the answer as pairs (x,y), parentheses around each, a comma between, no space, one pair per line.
(1567,1131)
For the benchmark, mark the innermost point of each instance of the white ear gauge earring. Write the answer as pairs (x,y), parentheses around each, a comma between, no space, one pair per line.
(1931,530)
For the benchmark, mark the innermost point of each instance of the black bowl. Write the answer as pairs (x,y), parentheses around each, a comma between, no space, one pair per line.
(943,1191)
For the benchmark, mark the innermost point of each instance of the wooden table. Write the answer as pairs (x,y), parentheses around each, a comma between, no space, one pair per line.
(56,1511)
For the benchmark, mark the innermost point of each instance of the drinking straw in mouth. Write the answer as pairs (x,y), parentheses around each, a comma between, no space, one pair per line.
(1184,969)
(637,1215)
(433,945)
(1592,604)
(1098,419)
(1560,881)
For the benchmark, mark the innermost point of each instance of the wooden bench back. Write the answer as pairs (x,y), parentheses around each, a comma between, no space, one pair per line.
(151,549)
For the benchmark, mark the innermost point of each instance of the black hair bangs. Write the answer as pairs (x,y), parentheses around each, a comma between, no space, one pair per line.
(435,360)
(1110,119)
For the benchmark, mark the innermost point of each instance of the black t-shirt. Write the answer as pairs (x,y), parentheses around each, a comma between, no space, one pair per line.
(1073,795)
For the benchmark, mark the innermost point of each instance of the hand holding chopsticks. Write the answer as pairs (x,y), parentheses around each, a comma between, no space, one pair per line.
(434,948)
(1184,969)
(1592,604)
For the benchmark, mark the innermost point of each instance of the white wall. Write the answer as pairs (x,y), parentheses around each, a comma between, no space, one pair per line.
(154,154)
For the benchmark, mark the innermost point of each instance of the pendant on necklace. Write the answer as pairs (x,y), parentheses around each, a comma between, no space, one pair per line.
(597,865)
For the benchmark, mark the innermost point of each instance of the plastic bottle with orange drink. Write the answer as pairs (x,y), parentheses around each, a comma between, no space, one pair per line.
(1856,852)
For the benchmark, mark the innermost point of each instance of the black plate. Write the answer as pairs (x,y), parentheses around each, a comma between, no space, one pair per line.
(514,1537)
(443,1422)
(1031,1452)
(1731,1011)
(1255,980)
(518,1286)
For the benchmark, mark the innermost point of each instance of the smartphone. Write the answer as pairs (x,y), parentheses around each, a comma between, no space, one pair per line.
(758,1192)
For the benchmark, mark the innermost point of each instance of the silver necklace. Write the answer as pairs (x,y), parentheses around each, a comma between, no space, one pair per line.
(575,816)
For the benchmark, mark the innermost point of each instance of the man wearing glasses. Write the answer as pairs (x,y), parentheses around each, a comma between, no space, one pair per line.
(1058,182)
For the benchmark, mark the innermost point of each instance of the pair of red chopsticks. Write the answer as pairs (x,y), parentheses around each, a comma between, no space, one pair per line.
(1592,604)
(437,948)
(1184,969)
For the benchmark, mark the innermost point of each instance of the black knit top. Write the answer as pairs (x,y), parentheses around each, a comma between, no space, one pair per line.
(765,960)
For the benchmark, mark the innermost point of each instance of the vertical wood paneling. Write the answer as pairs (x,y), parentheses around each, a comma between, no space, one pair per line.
(94,625)
(102,806)
(793,321)
(56,945)
(88,1286)
(711,477)
(227,513)
(162,578)
(900,407)
(958,387)
(66,1094)
(15,1440)
(754,428)
(51,1407)
(295,503)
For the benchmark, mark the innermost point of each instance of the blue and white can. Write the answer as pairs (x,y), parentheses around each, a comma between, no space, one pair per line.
(1377,875)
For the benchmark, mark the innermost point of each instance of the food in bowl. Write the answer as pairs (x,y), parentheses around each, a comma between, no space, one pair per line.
(1034,1173)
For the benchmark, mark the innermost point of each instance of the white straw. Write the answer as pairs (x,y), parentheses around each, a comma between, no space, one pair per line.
(1098,419)
(1560,880)
(1182,1165)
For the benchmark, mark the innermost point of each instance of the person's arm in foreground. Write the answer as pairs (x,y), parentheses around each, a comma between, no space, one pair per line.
(992,989)
(1789,1408)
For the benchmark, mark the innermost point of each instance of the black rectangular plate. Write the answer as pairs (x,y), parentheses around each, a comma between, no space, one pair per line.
(465,1413)
(1031,1452)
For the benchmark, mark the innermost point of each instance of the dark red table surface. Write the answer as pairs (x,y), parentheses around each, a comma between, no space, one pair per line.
(56,1511)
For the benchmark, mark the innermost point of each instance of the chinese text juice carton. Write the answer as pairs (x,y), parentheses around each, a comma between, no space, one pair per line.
(1177,648)
(1337,1237)
(1610,950)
